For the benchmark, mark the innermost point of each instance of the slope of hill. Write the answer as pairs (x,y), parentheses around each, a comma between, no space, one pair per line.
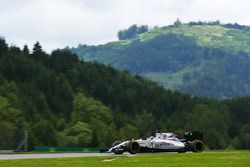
(63,101)
(196,58)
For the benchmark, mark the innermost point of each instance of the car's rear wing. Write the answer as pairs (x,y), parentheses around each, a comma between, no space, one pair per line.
(193,135)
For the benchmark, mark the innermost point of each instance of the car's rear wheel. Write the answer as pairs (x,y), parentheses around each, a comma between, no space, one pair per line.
(197,146)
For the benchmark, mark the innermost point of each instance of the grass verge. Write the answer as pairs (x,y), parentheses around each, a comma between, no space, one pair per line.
(206,159)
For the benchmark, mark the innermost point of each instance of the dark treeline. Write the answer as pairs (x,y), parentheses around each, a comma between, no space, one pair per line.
(68,102)
(218,23)
(132,32)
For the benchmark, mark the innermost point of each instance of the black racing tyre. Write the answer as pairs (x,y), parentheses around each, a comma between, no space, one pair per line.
(133,147)
(197,146)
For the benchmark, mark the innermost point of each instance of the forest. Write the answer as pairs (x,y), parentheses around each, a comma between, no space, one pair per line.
(65,101)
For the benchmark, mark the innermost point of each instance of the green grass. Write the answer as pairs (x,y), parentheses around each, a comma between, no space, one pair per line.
(168,80)
(207,35)
(206,159)
(204,33)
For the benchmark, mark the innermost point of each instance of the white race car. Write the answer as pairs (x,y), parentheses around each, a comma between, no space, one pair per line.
(161,142)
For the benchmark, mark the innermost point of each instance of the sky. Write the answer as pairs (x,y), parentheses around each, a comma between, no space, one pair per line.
(60,23)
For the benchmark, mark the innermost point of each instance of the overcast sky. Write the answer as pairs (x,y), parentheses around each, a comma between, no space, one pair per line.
(60,23)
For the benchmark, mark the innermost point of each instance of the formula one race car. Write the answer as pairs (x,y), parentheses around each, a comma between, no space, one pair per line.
(161,142)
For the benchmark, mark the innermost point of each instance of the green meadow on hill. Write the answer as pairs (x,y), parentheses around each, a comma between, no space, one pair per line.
(202,59)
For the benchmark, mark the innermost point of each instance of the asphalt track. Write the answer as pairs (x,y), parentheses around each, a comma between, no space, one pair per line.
(65,155)
(54,155)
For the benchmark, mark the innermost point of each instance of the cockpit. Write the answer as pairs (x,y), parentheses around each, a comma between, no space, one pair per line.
(165,135)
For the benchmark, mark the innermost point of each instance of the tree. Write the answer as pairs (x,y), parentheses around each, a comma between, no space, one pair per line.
(128,132)
(144,122)
(45,133)
(39,54)
(26,50)
(3,46)
(11,122)
(213,123)
(37,49)
(97,115)
(132,32)
(245,137)
(177,22)
(78,134)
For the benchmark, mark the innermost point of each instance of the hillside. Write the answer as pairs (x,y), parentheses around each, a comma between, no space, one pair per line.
(202,59)
(64,101)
